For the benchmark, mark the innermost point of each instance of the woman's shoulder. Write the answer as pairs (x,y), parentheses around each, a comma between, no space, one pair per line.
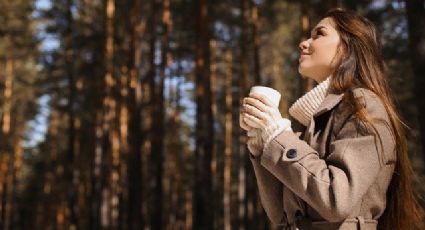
(365,94)
(372,103)
(347,116)
(366,98)
(378,116)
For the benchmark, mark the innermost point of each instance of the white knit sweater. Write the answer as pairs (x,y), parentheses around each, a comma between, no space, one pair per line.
(303,109)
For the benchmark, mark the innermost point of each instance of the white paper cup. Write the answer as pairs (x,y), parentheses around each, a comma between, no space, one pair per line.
(271,94)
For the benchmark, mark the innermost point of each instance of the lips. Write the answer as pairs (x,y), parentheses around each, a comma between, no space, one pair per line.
(302,56)
(304,53)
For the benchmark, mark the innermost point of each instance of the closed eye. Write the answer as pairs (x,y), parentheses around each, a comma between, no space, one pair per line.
(317,32)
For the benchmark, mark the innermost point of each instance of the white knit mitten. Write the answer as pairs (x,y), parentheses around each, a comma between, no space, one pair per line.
(255,143)
(242,123)
(271,131)
(261,114)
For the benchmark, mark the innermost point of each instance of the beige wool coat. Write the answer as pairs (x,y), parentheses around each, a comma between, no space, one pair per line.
(333,175)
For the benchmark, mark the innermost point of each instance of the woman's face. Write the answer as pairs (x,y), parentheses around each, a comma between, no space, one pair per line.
(317,54)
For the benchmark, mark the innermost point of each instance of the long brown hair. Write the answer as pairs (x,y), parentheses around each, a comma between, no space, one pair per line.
(361,64)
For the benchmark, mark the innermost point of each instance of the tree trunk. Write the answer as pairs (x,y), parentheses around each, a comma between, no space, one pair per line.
(97,97)
(243,86)
(97,182)
(6,152)
(134,164)
(7,104)
(215,157)
(155,202)
(19,124)
(256,217)
(416,26)
(69,165)
(158,123)
(110,145)
(256,40)
(51,176)
(148,99)
(228,143)
(204,123)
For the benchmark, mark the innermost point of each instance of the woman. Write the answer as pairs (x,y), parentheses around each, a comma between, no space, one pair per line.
(349,166)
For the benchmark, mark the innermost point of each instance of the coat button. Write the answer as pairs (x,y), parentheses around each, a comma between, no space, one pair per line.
(298,215)
(291,153)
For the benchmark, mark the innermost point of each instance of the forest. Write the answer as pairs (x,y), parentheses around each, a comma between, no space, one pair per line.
(123,114)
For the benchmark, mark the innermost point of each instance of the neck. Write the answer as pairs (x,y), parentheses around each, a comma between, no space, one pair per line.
(322,79)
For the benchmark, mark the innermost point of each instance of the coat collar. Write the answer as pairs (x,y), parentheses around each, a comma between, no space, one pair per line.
(330,101)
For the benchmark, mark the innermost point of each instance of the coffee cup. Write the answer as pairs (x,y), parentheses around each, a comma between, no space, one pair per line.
(271,94)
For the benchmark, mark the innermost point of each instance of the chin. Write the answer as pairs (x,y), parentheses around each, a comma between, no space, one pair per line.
(303,73)
(300,70)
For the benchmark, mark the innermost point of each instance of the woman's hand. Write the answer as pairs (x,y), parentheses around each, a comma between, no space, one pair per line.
(258,112)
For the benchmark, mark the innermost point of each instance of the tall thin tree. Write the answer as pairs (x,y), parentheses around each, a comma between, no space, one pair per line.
(6,152)
(228,143)
(203,218)
(135,194)
(243,86)
(69,166)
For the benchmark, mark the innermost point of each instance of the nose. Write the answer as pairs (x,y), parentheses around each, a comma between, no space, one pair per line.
(304,45)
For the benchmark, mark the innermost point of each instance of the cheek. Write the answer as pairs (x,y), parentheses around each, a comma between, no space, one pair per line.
(324,55)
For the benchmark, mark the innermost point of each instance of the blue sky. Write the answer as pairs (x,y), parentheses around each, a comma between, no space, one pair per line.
(38,126)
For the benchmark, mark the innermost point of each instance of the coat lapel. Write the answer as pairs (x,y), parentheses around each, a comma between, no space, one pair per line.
(330,101)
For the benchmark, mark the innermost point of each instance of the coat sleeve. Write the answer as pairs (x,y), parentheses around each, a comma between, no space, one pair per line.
(332,186)
(270,190)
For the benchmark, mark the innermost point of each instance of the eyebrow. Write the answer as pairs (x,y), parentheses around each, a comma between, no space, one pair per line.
(316,29)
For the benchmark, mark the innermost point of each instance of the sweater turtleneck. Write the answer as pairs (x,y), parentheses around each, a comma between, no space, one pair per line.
(303,108)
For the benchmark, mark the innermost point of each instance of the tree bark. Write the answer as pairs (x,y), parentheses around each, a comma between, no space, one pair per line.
(204,122)
(6,152)
(136,136)
(254,216)
(228,143)
(69,165)
(110,145)
(215,157)
(158,123)
(19,124)
(243,89)
(256,40)
(155,156)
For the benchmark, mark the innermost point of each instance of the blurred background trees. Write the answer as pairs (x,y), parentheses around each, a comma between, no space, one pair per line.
(123,114)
